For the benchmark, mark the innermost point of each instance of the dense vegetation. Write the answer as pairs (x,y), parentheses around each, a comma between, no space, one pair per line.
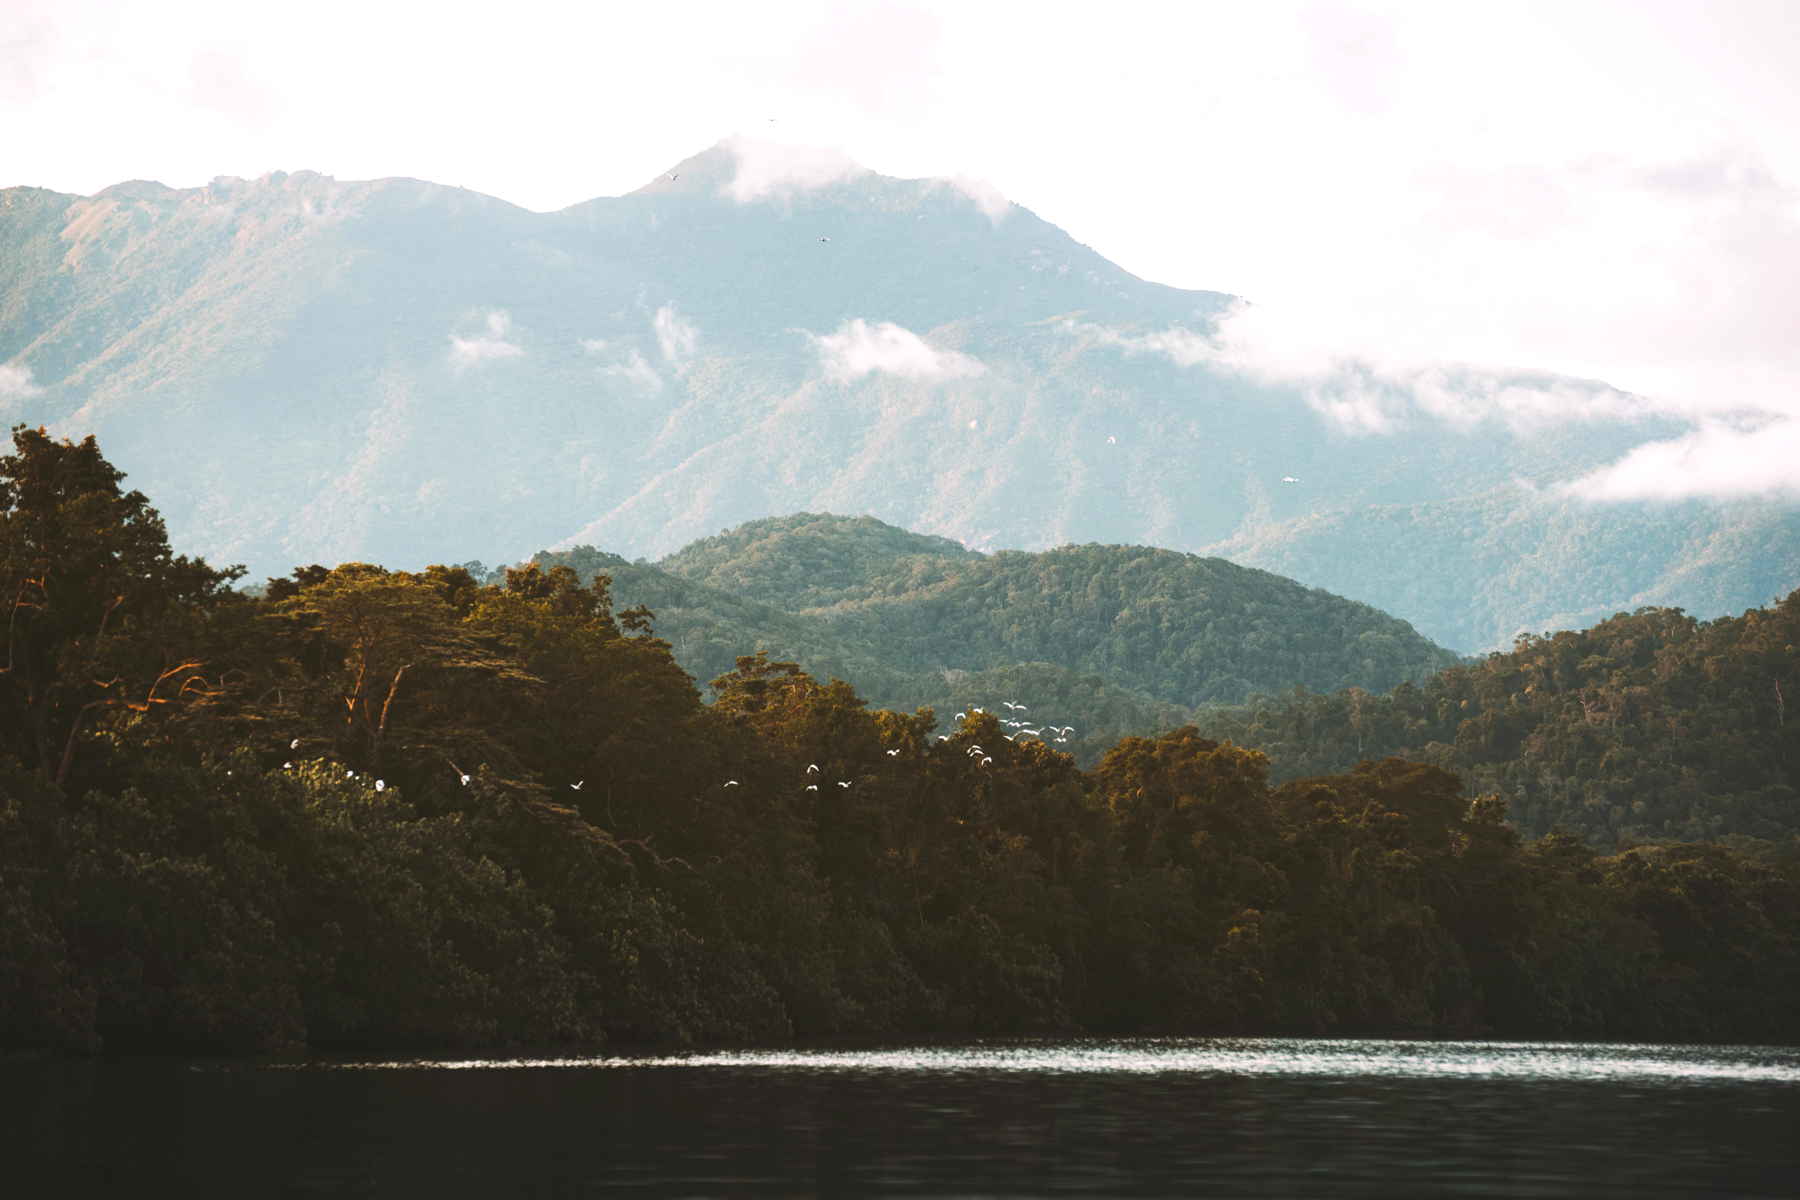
(1185,629)
(1112,639)
(1649,726)
(383,808)
(817,561)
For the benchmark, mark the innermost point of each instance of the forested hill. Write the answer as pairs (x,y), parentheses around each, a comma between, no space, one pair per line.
(817,560)
(399,812)
(1110,639)
(1648,726)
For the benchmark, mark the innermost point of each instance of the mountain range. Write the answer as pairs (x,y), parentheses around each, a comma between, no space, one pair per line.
(302,369)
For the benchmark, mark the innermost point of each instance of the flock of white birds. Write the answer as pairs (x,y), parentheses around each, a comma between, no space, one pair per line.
(1022,729)
(1020,726)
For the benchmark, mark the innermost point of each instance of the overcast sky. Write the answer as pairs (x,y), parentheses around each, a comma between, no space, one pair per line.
(1609,190)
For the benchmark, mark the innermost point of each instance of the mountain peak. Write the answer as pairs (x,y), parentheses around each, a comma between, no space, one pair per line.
(137,189)
(746,168)
(706,173)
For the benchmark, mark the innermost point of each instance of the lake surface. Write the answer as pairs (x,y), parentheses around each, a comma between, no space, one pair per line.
(1134,1117)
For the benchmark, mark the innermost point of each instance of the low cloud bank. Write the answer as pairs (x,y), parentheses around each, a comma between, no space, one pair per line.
(1716,461)
(1361,395)
(859,348)
(488,346)
(1758,455)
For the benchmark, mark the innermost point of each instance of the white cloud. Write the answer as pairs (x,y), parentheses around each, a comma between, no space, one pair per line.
(772,170)
(1717,461)
(1181,346)
(16,384)
(1362,394)
(490,345)
(858,348)
(635,371)
(676,337)
(989,199)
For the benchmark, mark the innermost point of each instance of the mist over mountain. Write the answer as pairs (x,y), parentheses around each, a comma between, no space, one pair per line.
(302,369)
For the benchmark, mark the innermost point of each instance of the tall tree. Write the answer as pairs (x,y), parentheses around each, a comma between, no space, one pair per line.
(98,611)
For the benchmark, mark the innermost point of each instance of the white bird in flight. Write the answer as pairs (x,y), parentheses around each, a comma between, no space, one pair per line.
(1289,479)
(730,783)
(576,786)
(843,783)
(893,754)
(812,787)
(812,768)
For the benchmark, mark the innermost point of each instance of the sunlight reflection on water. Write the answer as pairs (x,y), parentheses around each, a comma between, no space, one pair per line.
(1565,1061)
(1011,1116)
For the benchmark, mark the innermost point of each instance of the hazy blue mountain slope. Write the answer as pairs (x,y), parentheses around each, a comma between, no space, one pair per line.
(304,369)
(1513,561)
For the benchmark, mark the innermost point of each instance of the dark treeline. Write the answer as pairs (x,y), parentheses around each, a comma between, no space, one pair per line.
(1651,726)
(381,809)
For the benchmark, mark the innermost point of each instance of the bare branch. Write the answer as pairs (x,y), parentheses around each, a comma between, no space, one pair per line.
(381,728)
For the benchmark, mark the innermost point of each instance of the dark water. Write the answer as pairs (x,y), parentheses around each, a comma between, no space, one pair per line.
(1146,1117)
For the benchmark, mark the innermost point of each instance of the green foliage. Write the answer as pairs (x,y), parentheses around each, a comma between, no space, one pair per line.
(96,607)
(430,810)
(1649,726)
(815,560)
(1109,639)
